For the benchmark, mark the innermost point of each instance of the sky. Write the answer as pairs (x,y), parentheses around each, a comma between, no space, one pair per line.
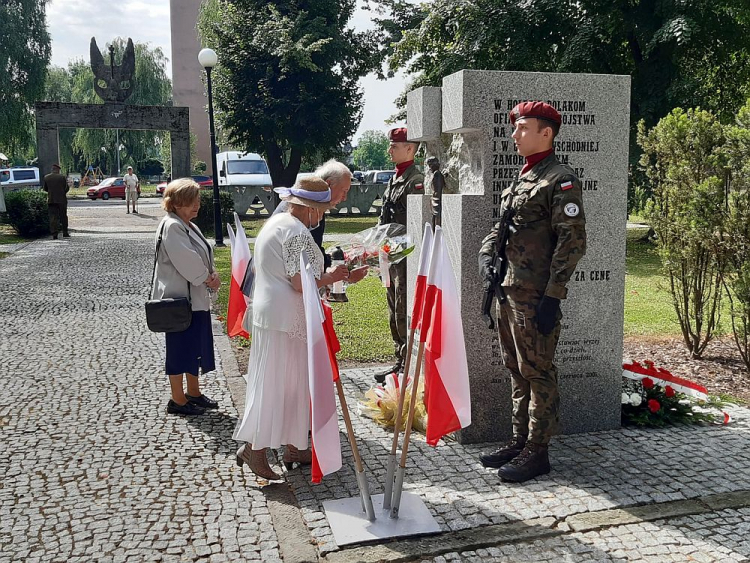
(72,23)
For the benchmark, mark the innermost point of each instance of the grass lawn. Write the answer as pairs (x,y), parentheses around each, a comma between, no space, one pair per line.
(335,225)
(362,324)
(8,235)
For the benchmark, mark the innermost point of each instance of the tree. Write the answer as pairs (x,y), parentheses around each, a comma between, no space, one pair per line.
(372,151)
(679,54)
(76,84)
(737,232)
(25,52)
(286,82)
(684,158)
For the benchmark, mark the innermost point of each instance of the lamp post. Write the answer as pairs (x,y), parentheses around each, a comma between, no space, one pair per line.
(207,59)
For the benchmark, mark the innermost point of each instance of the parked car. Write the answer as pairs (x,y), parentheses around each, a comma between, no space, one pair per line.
(358,176)
(205,183)
(379,176)
(20,177)
(107,188)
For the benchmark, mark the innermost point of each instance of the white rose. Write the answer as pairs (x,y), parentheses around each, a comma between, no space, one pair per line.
(635,399)
(625,399)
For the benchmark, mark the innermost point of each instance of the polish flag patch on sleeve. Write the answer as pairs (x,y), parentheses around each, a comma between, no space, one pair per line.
(418,186)
(566,185)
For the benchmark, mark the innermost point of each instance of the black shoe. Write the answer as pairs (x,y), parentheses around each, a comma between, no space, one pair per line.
(66,235)
(504,453)
(54,237)
(380,377)
(203,402)
(532,462)
(188,408)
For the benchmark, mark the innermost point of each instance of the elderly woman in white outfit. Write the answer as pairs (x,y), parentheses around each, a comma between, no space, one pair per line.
(277,403)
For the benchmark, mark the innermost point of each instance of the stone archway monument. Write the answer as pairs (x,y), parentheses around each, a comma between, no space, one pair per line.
(114,84)
(470,112)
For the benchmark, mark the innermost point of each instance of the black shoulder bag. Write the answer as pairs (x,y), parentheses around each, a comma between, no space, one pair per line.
(172,314)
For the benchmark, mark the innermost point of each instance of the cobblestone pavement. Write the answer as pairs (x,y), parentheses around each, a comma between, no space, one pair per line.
(92,466)
(591,472)
(722,537)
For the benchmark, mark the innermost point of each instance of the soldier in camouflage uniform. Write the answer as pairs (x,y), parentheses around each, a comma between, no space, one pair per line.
(547,239)
(407,180)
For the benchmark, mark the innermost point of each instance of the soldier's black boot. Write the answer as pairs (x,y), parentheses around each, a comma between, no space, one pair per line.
(504,453)
(532,462)
(380,377)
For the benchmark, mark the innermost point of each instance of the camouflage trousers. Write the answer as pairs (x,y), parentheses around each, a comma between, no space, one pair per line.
(529,356)
(397,309)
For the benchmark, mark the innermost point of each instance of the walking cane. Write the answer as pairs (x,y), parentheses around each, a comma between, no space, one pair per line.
(396,502)
(390,473)
(364,489)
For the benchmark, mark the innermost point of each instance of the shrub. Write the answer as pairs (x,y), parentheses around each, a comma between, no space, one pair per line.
(684,158)
(737,232)
(27,212)
(205,218)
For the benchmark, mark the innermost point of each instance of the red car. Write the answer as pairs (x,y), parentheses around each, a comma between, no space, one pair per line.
(107,188)
(205,183)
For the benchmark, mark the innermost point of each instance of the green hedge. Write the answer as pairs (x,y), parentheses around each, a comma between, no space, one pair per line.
(27,212)
(205,218)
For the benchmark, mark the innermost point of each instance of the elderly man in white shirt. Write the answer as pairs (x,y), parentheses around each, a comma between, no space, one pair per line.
(131,189)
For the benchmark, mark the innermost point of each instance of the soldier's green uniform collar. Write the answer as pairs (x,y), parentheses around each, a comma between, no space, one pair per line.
(541,167)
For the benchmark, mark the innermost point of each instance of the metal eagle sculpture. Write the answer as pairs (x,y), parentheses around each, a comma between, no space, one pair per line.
(113,83)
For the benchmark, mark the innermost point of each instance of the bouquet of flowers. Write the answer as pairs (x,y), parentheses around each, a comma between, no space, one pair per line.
(378,247)
(380,403)
(654,397)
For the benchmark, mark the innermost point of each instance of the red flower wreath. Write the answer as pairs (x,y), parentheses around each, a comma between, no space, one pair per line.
(669,391)
(653,405)
(647,382)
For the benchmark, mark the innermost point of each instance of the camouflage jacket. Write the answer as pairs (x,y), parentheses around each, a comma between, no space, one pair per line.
(394,198)
(548,237)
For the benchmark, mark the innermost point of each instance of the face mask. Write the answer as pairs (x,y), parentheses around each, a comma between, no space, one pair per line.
(309,220)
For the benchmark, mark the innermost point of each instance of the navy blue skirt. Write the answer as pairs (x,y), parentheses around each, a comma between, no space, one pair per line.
(193,348)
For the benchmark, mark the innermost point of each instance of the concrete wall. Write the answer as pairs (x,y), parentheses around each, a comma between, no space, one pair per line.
(187,88)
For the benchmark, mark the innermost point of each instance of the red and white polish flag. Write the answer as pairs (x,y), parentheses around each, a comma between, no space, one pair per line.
(420,289)
(322,372)
(241,284)
(447,394)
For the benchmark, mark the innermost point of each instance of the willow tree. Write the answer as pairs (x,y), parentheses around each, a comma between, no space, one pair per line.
(25,52)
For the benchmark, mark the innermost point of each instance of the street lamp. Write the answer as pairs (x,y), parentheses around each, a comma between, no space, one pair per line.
(207,59)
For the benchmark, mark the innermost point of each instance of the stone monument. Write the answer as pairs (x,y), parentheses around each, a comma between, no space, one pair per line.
(114,85)
(466,124)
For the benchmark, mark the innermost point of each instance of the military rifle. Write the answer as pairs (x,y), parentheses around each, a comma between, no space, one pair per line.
(498,267)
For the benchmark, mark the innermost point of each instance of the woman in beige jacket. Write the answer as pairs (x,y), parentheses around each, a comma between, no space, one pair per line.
(185,268)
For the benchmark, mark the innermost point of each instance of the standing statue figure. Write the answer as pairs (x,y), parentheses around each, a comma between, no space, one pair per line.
(437,185)
(118,79)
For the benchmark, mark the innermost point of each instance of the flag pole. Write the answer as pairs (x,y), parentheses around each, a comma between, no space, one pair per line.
(364,488)
(396,502)
(390,473)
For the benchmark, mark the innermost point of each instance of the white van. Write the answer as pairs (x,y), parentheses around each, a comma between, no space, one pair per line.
(237,168)
(20,177)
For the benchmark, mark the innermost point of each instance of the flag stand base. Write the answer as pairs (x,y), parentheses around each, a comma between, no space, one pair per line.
(350,525)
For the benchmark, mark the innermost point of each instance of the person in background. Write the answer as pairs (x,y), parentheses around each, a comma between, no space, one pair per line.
(407,180)
(185,268)
(56,187)
(132,183)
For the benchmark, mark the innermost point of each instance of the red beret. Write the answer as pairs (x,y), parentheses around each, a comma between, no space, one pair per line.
(397,135)
(538,110)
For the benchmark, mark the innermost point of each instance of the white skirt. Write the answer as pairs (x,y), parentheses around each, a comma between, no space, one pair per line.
(277,401)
